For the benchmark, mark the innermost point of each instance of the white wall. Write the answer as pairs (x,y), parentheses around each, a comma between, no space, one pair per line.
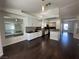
(58,25)
(75,34)
(1,36)
(52,13)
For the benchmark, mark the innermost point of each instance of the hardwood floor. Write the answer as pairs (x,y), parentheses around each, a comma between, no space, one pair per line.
(44,48)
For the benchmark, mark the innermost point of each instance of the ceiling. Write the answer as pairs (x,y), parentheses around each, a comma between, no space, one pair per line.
(68,8)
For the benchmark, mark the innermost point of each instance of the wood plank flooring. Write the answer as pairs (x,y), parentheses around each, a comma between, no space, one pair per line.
(44,48)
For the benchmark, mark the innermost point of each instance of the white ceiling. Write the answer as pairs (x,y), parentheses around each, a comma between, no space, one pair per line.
(68,8)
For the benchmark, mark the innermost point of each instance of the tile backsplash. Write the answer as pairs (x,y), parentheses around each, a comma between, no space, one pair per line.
(32,29)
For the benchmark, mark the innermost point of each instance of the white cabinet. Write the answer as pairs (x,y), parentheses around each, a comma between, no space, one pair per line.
(31,21)
(36,23)
(31,36)
(54,35)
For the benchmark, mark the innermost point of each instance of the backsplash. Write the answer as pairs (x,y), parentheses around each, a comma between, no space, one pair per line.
(32,29)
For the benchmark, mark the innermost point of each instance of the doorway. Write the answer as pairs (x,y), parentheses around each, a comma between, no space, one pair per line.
(66,26)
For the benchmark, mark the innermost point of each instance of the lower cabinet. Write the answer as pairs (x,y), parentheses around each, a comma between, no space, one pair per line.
(54,35)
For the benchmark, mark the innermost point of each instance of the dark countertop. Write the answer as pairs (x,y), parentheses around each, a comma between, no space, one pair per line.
(33,31)
(54,30)
(13,35)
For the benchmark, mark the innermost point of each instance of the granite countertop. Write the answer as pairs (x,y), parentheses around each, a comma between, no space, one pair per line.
(54,30)
(13,35)
(33,31)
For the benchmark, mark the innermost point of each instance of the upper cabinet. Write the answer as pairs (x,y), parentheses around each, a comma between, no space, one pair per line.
(32,22)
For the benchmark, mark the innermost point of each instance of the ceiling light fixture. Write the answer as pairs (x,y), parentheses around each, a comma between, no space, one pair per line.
(44,5)
(43,8)
(43,12)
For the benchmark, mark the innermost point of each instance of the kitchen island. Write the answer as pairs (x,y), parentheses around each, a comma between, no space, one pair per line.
(54,35)
(32,35)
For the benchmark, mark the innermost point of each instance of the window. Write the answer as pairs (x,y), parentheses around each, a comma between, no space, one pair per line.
(9,28)
(13,27)
(65,26)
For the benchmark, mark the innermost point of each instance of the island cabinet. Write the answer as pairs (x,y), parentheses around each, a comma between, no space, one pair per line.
(33,35)
(54,35)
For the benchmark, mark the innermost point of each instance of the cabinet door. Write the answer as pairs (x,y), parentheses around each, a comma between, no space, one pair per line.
(30,23)
(54,35)
(36,23)
(33,22)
